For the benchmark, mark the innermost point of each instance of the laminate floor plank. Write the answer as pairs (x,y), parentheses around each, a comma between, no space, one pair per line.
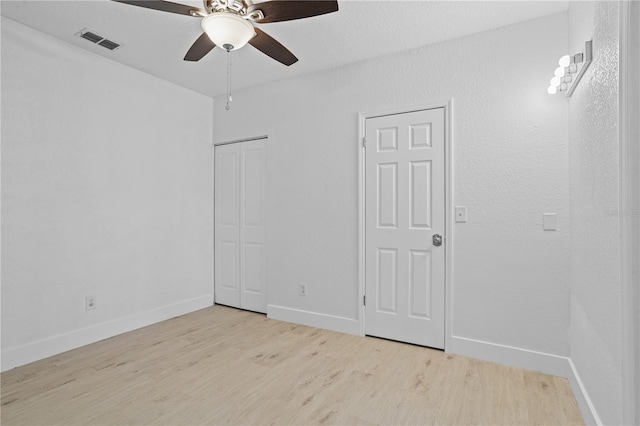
(225,366)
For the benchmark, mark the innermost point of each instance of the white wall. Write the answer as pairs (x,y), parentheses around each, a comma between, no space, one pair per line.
(106,190)
(511,279)
(595,331)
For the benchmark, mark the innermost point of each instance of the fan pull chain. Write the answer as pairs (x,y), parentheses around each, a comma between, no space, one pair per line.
(229,99)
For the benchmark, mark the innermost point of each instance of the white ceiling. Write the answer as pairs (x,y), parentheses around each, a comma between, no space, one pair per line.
(155,42)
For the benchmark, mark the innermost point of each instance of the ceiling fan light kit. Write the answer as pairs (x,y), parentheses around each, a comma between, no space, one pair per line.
(228,30)
(232,22)
(229,24)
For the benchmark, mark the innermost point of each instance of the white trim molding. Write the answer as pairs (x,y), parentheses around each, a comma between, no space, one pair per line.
(447,104)
(314,319)
(629,125)
(587,409)
(253,138)
(510,356)
(21,355)
(526,359)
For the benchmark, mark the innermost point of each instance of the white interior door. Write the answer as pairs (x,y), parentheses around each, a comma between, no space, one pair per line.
(239,225)
(252,196)
(227,226)
(405,209)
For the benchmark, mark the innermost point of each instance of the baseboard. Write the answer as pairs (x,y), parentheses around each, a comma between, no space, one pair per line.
(492,352)
(314,319)
(510,356)
(589,413)
(15,357)
(541,362)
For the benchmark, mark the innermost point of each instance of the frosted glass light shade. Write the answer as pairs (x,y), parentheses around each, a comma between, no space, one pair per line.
(565,61)
(555,81)
(227,30)
(559,72)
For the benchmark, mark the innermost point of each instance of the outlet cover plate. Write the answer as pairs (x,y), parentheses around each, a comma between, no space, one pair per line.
(89,303)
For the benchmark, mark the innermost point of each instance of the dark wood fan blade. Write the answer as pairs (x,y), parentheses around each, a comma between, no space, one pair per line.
(288,10)
(199,48)
(166,6)
(271,47)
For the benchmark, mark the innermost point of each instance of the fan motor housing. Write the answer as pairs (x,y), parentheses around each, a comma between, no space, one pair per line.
(238,6)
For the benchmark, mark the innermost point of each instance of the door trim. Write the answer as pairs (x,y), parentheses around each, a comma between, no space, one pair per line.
(255,138)
(629,206)
(448,214)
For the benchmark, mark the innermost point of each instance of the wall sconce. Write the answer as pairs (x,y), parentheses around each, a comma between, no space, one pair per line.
(564,80)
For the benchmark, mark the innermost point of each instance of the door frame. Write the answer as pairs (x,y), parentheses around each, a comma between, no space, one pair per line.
(447,104)
(629,205)
(213,200)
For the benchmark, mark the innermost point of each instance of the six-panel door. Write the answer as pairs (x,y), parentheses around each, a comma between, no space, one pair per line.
(405,208)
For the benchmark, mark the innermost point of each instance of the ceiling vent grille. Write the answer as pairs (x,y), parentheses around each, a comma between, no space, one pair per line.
(91,37)
(109,44)
(98,39)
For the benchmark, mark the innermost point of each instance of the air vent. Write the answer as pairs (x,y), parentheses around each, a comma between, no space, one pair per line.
(91,37)
(98,39)
(109,44)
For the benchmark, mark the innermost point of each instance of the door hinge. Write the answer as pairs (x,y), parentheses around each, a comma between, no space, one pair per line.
(364,142)
(364,300)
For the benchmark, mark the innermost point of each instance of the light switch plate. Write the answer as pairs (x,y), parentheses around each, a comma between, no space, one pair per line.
(461,214)
(549,221)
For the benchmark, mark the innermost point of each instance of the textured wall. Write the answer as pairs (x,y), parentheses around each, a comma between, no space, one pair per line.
(593,141)
(510,282)
(106,189)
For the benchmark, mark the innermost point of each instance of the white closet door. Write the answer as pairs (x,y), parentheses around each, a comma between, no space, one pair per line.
(227,225)
(252,196)
(239,225)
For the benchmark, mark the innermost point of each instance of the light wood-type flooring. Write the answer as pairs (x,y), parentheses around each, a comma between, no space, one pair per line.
(225,366)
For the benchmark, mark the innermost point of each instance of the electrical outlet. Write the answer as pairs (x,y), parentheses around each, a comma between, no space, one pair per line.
(89,303)
(302,290)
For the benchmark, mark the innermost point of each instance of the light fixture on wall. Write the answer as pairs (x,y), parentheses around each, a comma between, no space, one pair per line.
(563,80)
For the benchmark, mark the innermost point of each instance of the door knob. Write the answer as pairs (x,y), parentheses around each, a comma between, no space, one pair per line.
(437,240)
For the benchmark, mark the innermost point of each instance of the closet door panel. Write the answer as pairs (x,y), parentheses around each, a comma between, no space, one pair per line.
(239,225)
(252,199)
(227,225)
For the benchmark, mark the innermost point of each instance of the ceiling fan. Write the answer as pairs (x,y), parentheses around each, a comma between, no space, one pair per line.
(230,23)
